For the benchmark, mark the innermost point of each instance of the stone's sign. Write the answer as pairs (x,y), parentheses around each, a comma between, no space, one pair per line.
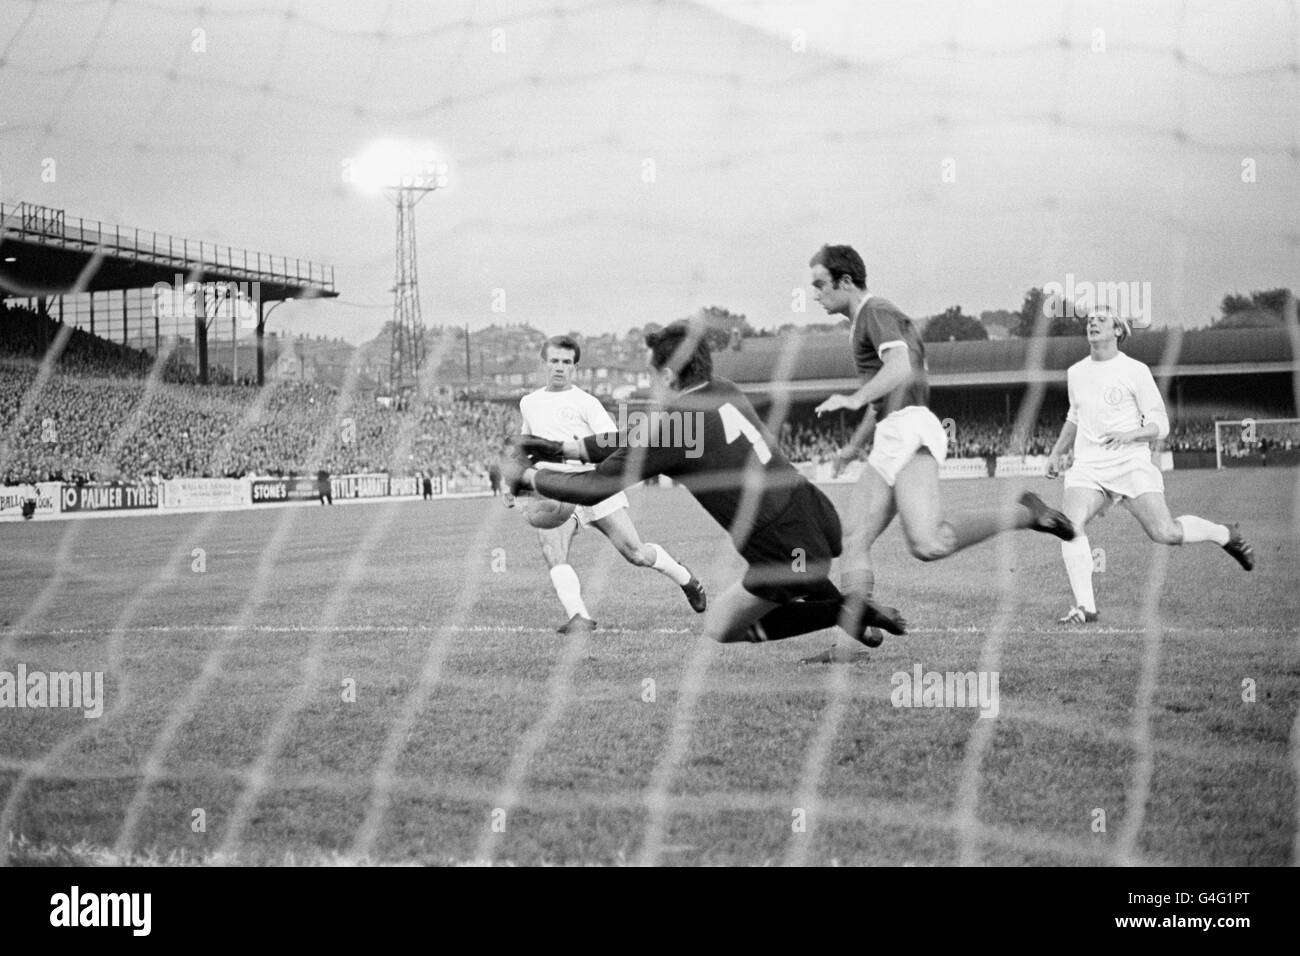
(266,490)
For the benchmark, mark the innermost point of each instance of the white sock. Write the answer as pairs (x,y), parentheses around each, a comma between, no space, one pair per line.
(1077,555)
(668,567)
(568,590)
(1196,530)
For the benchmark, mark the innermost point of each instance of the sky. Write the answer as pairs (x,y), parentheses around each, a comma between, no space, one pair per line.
(617,162)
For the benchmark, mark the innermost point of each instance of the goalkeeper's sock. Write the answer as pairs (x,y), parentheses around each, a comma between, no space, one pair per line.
(666,565)
(1196,530)
(1077,555)
(568,590)
(791,620)
(861,583)
(858,587)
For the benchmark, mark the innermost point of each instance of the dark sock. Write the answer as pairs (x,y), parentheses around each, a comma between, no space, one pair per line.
(791,620)
(861,583)
(858,587)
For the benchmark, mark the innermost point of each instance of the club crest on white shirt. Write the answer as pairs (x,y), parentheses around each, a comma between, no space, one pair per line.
(1113,395)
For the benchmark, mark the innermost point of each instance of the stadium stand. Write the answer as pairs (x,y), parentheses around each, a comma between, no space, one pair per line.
(99,418)
(104,429)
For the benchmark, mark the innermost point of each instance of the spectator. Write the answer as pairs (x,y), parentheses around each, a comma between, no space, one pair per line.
(100,416)
(323,487)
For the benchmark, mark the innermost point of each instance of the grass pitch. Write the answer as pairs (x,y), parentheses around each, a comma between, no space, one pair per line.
(383,683)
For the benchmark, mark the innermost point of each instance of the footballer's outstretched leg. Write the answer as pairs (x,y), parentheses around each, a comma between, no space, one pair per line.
(622,533)
(733,612)
(931,537)
(1152,512)
(741,616)
(1241,552)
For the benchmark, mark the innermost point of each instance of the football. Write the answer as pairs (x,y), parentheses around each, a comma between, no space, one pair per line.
(546,512)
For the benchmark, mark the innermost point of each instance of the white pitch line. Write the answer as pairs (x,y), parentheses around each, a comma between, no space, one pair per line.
(1211,633)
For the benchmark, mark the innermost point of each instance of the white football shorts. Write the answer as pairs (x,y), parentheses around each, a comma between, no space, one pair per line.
(1126,478)
(586,514)
(900,435)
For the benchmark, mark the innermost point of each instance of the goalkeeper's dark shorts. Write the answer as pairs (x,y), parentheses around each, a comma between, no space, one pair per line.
(790,558)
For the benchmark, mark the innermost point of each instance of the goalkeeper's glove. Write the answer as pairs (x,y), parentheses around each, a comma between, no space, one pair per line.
(536,449)
(513,467)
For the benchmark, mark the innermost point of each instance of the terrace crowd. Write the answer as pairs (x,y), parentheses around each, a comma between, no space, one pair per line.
(100,416)
(72,428)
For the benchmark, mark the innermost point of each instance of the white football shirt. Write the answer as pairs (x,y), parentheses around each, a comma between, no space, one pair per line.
(1115,395)
(563,416)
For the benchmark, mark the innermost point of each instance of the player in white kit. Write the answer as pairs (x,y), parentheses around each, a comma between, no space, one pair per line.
(561,411)
(1115,412)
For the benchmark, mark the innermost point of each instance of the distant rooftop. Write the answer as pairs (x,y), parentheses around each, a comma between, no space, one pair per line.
(824,360)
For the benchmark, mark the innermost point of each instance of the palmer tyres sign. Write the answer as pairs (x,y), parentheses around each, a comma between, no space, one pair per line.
(269,490)
(109,496)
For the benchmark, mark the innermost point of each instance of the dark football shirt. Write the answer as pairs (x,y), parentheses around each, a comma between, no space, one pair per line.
(880,322)
(739,475)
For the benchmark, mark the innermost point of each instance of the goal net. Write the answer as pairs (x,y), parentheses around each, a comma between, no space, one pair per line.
(1257,442)
(384,682)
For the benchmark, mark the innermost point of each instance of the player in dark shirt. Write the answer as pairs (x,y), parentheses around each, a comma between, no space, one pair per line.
(902,473)
(708,438)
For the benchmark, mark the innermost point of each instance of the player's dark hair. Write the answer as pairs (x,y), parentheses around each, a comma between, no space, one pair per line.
(563,342)
(841,261)
(683,347)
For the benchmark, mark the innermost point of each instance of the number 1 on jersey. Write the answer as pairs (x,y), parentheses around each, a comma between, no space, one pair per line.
(735,424)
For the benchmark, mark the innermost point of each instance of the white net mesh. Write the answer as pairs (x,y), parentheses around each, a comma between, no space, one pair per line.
(617,164)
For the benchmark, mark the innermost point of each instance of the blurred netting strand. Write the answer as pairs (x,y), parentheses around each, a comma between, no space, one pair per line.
(845,71)
(170,426)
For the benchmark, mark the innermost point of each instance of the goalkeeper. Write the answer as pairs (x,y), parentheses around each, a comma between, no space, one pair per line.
(784,527)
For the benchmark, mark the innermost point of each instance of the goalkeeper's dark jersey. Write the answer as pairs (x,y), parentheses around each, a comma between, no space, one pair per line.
(732,464)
